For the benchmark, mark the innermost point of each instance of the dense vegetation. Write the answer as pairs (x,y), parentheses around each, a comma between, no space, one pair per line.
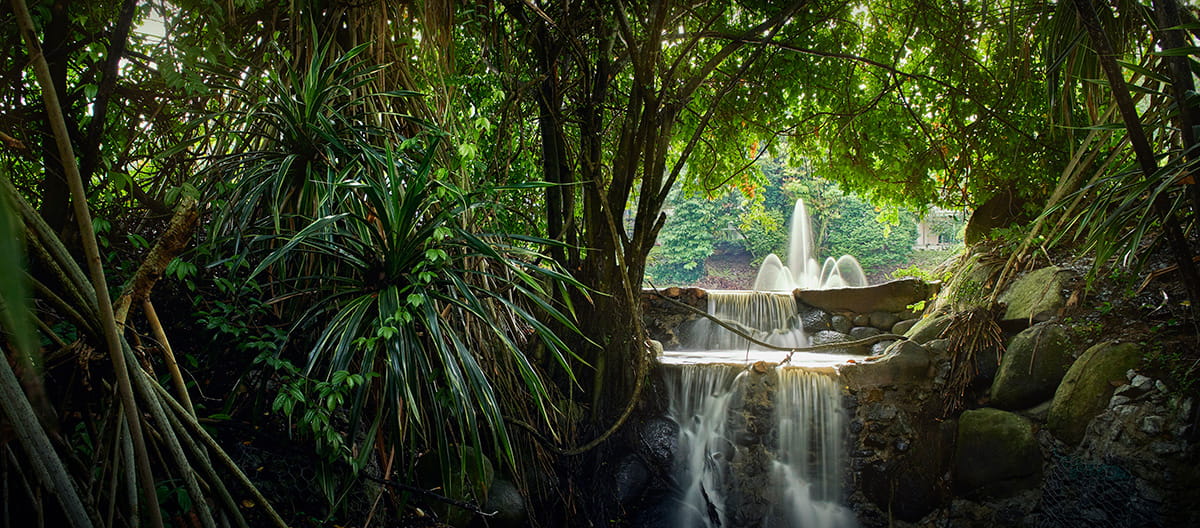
(410,237)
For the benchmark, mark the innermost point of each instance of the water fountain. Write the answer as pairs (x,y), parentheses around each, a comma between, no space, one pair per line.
(802,269)
(761,446)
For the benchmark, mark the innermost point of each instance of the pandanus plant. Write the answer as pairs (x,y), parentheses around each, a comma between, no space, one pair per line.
(416,324)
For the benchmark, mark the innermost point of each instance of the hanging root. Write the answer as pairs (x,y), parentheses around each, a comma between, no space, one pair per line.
(972,335)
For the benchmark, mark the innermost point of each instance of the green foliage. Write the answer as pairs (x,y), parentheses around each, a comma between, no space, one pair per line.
(413,323)
(765,232)
(918,272)
(686,240)
(860,233)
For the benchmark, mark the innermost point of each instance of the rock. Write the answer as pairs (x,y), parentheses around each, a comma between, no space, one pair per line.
(1087,387)
(883,320)
(841,323)
(862,320)
(658,438)
(829,336)
(938,348)
(656,347)
(1036,296)
(996,454)
(879,348)
(1152,425)
(631,479)
(812,319)
(968,288)
(928,328)
(863,332)
(505,499)
(909,483)
(893,296)
(1001,210)
(1032,365)
(902,327)
(1141,383)
(904,362)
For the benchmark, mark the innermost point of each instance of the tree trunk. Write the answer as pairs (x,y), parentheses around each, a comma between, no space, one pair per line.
(1141,147)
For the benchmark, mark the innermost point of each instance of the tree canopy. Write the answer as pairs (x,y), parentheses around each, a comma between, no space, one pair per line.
(424,226)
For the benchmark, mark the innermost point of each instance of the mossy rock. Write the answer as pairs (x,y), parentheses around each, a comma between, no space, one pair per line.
(1034,362)
(928,328)
(1087,388)
(1036,296)
(967,288)
(999,211)
(996,454)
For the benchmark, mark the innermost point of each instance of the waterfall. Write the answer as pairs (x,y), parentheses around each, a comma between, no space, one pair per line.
(811,457)
(757,447)
(699,398)
(768,316)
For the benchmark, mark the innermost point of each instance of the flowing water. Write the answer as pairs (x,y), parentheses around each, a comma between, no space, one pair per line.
(802,269)
(758,449)
(811,456)
(761,447)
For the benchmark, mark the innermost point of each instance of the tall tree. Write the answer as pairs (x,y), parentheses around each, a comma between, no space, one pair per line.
(628,97)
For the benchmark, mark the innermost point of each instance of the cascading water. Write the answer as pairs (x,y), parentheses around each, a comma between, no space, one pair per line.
(767,316)
(699,399)
(761,447)
(808,470)
(757,447)
(802,269)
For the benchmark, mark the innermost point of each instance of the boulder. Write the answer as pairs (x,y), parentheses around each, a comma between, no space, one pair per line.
(883,320)
(1087,387)
(996,454)
(841,323)
(904,326)
(893,296)
(812,319)
(507,502)
(658,439)
(861,320)
(825,337)
(1033,364)
(1001,210)
(968,288)
(631,478)
(904,362)
(928,328)
(1037,296)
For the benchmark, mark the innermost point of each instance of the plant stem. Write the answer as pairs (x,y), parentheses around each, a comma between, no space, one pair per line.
(92,254)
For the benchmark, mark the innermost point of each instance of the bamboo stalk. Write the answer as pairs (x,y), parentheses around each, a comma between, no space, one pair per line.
(174,448)
(92,252)
(168,356)
(196,429)
(47,465)
(207,470)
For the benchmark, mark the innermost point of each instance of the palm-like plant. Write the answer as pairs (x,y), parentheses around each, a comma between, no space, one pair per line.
(413,323)
(406,293)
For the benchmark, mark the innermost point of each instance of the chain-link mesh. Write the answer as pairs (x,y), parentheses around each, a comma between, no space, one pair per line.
(1087,494)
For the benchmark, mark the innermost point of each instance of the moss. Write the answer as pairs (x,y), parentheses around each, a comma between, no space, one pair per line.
(1033,365)
(995,454)
(1087,387)
(1037,295)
